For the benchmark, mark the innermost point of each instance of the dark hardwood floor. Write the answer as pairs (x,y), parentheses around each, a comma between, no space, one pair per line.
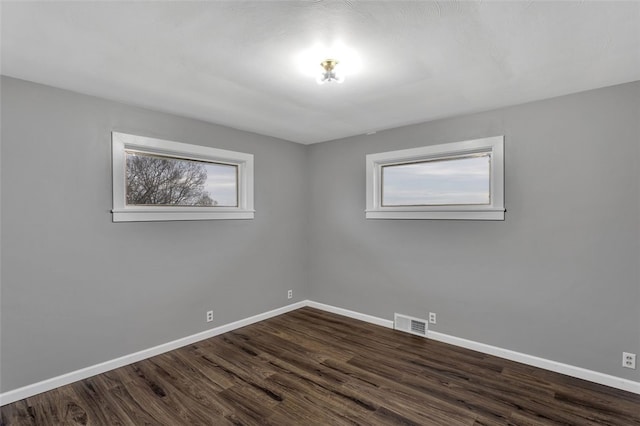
(310,367)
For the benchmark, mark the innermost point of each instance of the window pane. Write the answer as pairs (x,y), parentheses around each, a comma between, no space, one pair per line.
(167,181)
(454,181)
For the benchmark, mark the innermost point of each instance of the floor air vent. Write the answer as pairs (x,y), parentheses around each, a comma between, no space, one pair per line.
(410,325)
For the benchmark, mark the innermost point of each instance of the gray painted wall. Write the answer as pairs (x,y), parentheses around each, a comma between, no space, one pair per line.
(559,278)
(78,289)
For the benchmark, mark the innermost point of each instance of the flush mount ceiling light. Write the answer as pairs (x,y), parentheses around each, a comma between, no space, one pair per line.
(329,72)
(329,63)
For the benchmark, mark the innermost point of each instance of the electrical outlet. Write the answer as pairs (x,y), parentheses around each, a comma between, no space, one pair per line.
(290,294)
(629,360)
(432,317)
(209,316)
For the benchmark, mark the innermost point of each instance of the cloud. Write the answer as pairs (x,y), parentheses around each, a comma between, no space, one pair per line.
(222,184)
(456,181)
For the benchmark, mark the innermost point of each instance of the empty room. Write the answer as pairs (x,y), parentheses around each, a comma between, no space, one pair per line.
(319,213)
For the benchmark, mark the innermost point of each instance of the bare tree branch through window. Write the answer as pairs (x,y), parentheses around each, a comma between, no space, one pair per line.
(155,180)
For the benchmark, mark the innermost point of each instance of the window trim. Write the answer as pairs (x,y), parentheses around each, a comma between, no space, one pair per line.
(494,211)
(136,213)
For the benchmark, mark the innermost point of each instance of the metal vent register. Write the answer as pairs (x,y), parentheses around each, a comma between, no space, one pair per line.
(411,325)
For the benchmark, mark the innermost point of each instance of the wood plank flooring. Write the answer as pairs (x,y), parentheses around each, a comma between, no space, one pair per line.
(309,367)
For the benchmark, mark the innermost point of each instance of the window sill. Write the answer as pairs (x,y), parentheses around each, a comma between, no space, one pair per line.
(168,214)
(440,214)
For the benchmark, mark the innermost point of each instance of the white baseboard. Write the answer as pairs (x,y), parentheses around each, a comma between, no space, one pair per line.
(74,376)
(351,314)
(558,367)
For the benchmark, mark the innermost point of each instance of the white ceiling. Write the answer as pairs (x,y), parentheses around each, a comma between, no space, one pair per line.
(236,62)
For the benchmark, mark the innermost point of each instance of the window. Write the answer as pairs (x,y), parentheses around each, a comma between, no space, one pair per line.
(462,180)
(155,180)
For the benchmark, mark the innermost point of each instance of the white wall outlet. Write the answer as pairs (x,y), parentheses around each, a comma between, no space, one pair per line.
(629,360)
(289,294)
(209,316)
(432,318)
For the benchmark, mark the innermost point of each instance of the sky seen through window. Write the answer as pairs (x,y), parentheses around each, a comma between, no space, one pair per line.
(455,181)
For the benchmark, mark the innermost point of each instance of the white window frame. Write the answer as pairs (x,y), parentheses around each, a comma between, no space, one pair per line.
(493,211)
(120,142)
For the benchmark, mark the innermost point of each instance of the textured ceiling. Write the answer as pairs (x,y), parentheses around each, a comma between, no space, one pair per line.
(236,62)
